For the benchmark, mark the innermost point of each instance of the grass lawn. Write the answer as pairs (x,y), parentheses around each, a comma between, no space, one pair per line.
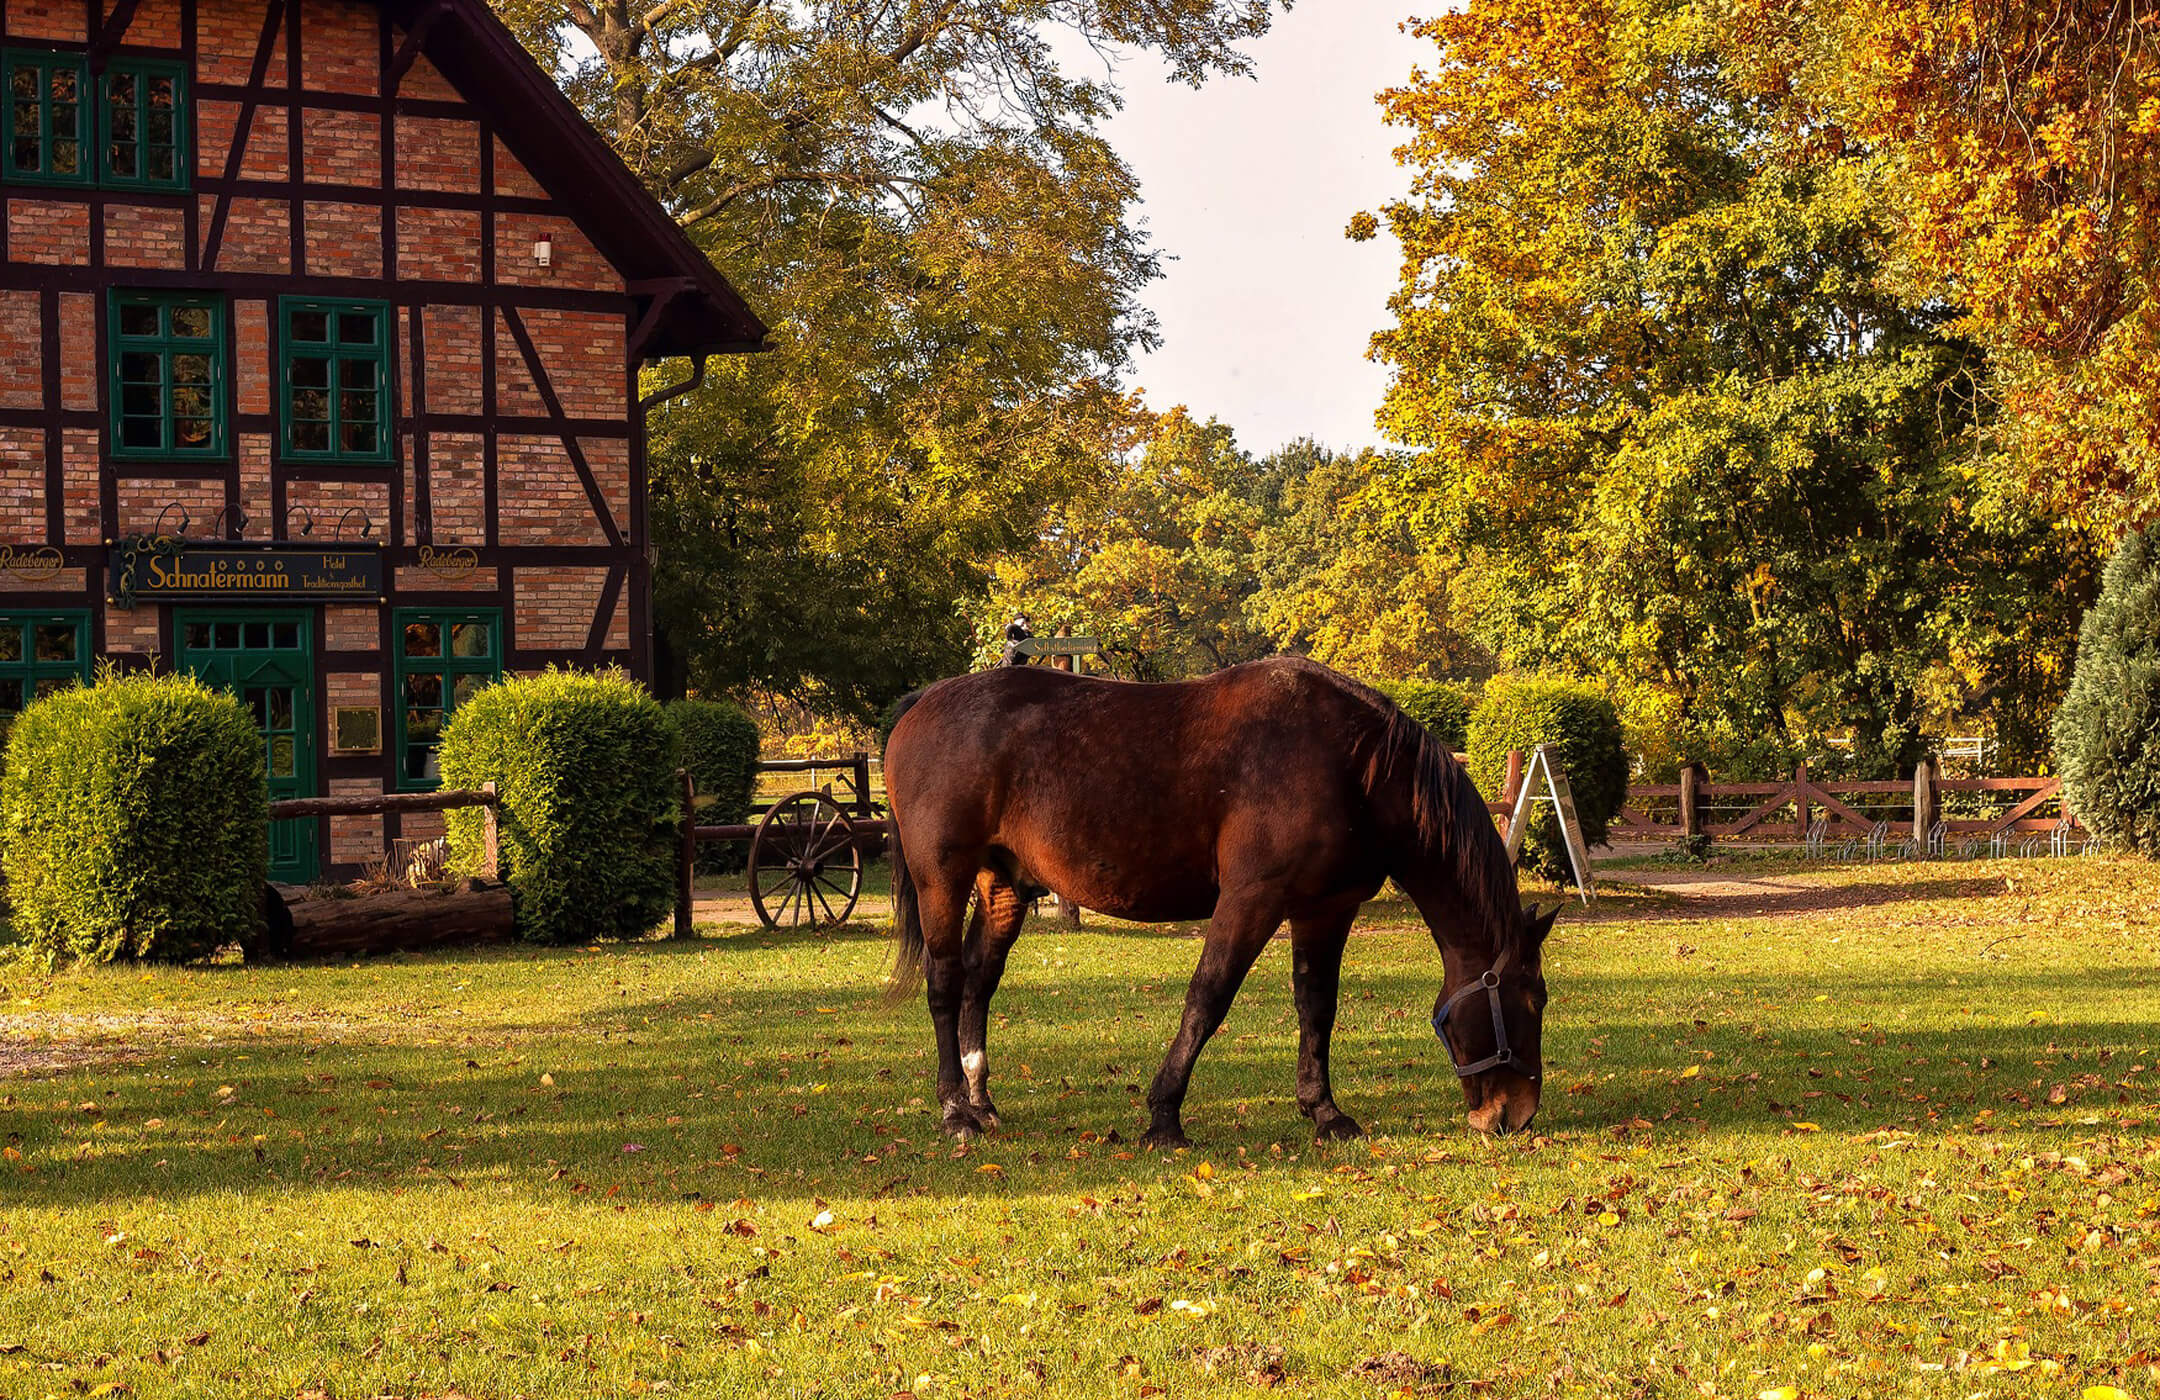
(1853,1131)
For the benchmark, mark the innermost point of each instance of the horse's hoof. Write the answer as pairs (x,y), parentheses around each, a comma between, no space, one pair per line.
(962,1123)
(1165,1140)
(1340,1125)
(987,1115)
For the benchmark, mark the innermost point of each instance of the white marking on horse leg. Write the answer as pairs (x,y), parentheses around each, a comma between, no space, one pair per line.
(974,1062)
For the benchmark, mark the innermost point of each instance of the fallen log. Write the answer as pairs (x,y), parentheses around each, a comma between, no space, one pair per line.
(399,920)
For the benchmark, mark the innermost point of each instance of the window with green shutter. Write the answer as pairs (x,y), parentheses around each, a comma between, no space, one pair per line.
(40,652)
(334,404)
(48,136)
(443,659)
(169,358)
(126,129)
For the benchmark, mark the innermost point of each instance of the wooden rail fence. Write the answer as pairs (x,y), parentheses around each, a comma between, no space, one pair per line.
(1695,807)
(370,804)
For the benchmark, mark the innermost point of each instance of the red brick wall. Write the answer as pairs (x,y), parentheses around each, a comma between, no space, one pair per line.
(47,231)
(45,19)
(555,607)
(137,236)
(22,351)
(22,485)
(132,631)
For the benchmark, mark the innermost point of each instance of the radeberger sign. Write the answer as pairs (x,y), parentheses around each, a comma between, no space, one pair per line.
(148,569)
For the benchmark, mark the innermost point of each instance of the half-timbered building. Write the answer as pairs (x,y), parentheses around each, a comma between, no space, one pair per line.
(320,333)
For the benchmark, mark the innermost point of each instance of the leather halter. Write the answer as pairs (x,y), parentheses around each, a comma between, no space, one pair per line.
(1503,1053)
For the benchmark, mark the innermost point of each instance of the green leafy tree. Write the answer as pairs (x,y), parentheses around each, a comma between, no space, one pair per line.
(1674,417)
(1158,559)
(1340,579)
(919,201)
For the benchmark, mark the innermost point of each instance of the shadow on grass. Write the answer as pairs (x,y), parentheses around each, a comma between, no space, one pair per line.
(751,1090)
(1694,895)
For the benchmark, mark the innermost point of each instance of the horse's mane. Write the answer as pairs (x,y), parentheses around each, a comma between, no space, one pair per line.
(1449,813)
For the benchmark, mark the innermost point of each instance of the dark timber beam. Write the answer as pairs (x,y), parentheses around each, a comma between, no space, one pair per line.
(110,34)
(402,61)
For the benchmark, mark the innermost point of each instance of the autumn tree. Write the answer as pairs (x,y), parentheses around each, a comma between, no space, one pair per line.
(918,198)
(2019,142)
(1682,427)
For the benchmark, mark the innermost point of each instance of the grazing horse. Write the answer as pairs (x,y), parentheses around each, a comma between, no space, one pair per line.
(1277,790)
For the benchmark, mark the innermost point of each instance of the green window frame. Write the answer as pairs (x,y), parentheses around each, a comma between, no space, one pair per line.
(170,355)
(40,652)
(334,380)
(48,128)
(129,129)
(444,656)
(143,126)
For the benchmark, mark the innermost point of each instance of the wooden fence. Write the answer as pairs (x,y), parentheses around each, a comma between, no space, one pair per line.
(1967,808)
(368,804)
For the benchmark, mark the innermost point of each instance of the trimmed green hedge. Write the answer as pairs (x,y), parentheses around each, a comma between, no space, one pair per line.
(2107,733)
(1581,730)
(584,766)
(134,821)
(1442,708)
(719,745)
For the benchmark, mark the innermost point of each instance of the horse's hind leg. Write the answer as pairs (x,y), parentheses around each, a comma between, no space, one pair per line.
(941,897)
(999,912)
(1240,929)
(1316,949)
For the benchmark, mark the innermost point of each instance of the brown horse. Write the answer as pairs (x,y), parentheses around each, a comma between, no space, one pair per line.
(1273,791)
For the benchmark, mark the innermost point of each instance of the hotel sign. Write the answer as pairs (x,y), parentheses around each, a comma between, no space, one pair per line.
(146,569)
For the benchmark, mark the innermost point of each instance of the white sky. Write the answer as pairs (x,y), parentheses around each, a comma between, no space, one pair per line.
(1248,182)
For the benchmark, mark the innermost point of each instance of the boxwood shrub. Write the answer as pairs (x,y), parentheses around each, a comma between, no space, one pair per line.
(2107,733)
(719,745)
(1443,709)
(1580,729)
(134,821)
(584,766)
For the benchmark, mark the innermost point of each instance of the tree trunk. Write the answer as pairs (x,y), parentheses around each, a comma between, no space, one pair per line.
(399,920)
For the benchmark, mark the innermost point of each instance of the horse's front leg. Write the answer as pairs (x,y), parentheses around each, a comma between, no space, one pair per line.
(1316,950)
(999,914)
(1240,929)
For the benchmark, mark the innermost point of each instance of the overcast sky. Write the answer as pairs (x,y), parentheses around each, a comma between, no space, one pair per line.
(1248,183)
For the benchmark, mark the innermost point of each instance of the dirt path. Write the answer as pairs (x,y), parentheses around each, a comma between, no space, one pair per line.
(1828,891)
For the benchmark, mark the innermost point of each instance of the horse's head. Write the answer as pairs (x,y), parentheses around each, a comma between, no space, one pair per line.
(1491,1026)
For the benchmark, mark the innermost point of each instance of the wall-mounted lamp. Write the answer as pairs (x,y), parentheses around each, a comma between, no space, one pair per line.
(544,250)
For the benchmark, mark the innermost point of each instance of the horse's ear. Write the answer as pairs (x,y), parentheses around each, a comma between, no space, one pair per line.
(1536,925)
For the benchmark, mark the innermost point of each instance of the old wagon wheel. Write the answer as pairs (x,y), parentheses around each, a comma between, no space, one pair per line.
(805,865)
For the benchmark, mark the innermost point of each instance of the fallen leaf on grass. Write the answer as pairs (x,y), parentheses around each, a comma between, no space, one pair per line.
(1395,1368)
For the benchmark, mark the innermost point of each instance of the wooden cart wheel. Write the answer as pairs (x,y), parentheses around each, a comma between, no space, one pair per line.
(806,869)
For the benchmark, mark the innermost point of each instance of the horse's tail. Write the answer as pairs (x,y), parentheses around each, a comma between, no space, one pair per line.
(907,918)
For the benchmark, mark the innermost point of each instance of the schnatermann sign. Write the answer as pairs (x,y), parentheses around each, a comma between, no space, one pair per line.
(152,569)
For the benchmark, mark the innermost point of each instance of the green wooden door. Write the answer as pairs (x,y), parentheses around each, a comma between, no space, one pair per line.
(267,659)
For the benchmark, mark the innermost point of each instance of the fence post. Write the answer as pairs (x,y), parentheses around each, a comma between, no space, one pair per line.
(862,785)
(1068,913)
(1800,798)
(1691,778)
(1511,788)
(686,852)
(490,833)
(1923,796)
